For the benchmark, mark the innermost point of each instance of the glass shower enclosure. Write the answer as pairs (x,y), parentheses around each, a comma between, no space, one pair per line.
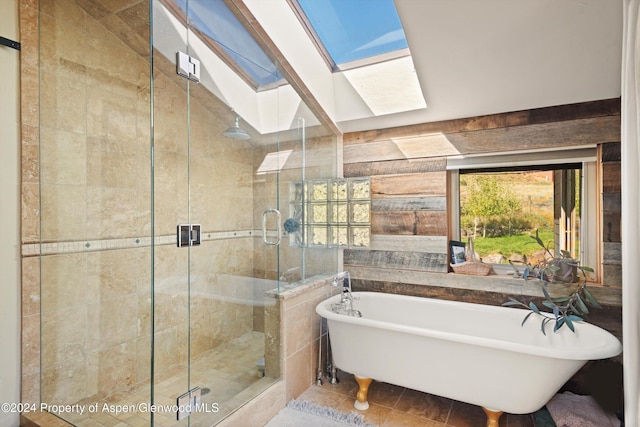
(169,144)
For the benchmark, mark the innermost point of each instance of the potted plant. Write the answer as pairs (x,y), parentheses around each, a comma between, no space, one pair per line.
(555,268)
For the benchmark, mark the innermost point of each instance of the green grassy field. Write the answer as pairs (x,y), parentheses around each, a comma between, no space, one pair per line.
(521,244)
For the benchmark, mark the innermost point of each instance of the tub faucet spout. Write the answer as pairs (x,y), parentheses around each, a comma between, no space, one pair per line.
(346,280)
(346,299)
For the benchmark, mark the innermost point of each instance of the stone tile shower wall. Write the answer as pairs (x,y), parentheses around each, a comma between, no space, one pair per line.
(86,194)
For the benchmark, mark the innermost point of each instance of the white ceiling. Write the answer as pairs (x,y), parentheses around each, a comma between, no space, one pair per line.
(474,57)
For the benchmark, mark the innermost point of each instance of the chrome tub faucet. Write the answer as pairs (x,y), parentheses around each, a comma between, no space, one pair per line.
(346,300)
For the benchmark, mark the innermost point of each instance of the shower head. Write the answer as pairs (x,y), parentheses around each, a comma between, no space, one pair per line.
(235,131)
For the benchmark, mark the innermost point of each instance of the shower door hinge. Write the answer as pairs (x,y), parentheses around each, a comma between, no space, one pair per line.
(188,235)
(187,66)
(188,403)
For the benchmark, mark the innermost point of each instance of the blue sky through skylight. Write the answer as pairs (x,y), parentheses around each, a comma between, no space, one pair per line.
(214,19)
(355,29)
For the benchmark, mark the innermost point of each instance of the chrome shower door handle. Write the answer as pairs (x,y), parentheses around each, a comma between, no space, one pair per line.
(264,227)
(188,235)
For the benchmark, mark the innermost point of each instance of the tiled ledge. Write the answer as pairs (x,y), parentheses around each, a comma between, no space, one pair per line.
(499,284)
(42,419)
(292,290)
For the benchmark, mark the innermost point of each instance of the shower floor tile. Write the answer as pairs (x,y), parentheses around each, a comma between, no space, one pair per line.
(227,375)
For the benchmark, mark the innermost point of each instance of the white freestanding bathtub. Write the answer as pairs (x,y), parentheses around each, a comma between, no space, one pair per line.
(478,354)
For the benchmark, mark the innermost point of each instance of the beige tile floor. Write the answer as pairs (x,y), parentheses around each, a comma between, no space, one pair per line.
(394,406)
(228,371)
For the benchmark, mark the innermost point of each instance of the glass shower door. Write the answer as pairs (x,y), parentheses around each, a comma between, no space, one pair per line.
(91,191)
(170,281)
(216,221)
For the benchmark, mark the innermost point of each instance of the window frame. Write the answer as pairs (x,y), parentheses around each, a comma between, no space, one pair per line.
(323,50)
(589,227)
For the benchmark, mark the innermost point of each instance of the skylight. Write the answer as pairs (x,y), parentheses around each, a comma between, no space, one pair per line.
(213,19)
(355,30)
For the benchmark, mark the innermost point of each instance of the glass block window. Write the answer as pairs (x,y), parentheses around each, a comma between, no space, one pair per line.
(329,213)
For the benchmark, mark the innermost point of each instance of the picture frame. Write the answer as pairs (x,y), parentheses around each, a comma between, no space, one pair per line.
(458,251)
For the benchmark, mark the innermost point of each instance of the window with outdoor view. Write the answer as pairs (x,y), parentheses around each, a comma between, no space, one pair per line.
(502,208)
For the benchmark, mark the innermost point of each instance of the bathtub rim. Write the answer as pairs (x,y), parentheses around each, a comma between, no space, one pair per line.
(610,347)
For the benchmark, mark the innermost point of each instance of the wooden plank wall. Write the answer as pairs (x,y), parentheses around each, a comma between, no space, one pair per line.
(407,167)
(611,213)
(408,216)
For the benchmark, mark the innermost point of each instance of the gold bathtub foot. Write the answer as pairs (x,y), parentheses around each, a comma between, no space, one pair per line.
(361,398)
(492,417)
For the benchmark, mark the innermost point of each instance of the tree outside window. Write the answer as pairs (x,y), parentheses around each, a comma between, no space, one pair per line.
(501,209)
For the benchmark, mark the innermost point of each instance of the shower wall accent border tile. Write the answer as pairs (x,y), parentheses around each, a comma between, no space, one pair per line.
(55,248)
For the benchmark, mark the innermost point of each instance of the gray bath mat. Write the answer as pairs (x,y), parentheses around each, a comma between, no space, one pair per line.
(573,410)
(302,413)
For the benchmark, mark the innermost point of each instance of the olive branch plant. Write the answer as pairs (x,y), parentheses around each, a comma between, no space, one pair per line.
(566,309)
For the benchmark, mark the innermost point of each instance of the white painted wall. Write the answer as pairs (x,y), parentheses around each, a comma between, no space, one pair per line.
(471,58)
(9,214)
